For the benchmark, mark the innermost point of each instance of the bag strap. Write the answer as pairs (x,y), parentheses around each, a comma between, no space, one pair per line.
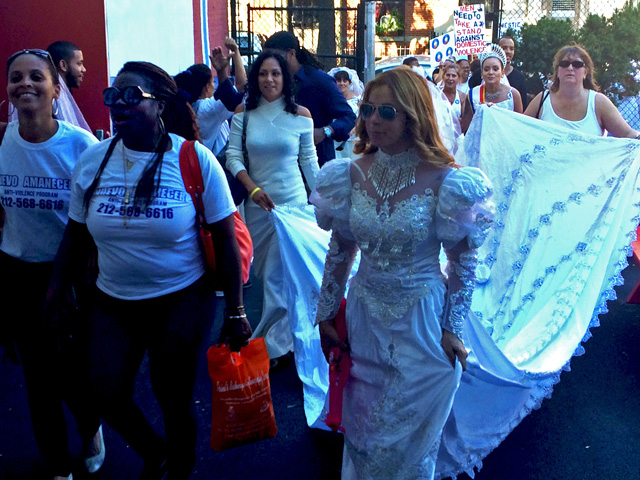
(544,97)
(245,153)
(192,178)
(473,108)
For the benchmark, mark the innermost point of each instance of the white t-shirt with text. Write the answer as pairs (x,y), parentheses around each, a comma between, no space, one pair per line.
(146,252)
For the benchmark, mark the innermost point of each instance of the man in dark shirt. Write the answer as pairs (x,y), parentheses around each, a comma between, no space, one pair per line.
(333,118)
(515,76)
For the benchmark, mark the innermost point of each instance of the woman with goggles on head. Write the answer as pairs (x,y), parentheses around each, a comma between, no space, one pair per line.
(397,204)
(37,157)
(127,194)
(573,100)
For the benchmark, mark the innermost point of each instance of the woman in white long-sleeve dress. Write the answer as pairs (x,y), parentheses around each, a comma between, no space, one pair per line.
(398,204)
(279,144)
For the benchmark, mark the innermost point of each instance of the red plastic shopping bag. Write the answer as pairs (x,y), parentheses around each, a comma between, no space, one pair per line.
(339,367)
(242,407)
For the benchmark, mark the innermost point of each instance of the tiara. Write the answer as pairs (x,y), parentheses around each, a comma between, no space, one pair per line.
(495,51)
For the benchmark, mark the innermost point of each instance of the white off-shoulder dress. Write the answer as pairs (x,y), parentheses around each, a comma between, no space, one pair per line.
(401,384)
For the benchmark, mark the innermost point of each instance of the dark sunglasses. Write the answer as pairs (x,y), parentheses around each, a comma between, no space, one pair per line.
(574,64)
(31,51)
(130,95)
(386,112)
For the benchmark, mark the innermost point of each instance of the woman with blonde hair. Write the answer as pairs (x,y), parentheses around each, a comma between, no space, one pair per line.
(398,204)
(573,100)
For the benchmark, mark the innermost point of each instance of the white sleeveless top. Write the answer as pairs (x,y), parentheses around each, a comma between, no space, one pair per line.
(589,124)
(474,99)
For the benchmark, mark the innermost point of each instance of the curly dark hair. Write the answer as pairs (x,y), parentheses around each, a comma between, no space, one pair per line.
(178,118)
(253,88)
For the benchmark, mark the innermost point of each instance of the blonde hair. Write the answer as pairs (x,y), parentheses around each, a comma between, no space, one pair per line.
(575,50)
(412,93)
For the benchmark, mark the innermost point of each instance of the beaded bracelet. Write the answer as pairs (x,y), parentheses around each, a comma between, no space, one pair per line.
(235,317)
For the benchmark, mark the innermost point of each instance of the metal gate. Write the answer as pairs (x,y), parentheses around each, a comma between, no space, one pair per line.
(335,35)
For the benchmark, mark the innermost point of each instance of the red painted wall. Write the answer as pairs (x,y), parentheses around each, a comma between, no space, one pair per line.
(218,22)
(38,23)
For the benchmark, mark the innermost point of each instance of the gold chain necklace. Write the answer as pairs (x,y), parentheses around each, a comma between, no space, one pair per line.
(391,173)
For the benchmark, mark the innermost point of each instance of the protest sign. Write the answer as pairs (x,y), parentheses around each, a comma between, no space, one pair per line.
(469,26)
(441,47)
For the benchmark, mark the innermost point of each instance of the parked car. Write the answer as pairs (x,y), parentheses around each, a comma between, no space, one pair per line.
(389,63)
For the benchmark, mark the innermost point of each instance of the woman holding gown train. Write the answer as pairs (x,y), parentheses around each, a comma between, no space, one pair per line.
(398,204)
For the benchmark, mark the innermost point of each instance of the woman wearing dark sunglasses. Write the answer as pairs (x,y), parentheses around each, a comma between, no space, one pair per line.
(573,100)
(37,157)
(128,195)
(397,204)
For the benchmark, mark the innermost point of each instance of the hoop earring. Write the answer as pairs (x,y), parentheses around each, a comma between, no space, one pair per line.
(161,123)
(56,106)
(11,109)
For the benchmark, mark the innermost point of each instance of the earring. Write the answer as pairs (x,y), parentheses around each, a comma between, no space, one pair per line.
(11,110)
(161,123)
(55,105)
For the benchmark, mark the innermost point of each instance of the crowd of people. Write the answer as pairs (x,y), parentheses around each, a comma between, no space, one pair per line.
(105,235)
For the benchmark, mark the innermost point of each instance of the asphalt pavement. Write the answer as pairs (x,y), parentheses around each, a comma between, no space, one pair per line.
(588,430)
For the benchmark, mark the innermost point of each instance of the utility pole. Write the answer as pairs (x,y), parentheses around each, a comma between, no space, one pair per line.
(369,41)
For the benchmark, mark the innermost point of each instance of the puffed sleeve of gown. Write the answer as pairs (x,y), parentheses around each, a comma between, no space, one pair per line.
(463,218)
(332,201)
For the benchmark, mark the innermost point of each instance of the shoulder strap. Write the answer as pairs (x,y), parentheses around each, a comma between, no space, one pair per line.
(192,177)
(542,100)
(245,153)
(473,108)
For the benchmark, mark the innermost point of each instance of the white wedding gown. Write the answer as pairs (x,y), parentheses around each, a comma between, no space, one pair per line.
(567,206)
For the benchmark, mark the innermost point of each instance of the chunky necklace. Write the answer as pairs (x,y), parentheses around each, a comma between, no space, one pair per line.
(391,173)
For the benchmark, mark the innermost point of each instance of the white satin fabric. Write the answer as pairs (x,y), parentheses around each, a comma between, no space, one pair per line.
(567,210)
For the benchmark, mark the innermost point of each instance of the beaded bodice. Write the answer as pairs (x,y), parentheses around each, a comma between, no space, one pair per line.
(399,251)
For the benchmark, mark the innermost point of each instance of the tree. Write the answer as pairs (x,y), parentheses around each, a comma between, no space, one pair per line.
(613,44)
(538,44)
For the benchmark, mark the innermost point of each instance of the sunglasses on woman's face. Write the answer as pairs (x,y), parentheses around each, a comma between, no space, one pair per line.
(385,112)
(574,63)
(130,95)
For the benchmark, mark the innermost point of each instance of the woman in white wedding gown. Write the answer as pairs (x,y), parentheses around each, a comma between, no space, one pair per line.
(398,204)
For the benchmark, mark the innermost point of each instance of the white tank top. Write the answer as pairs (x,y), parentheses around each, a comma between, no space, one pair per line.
(589,124)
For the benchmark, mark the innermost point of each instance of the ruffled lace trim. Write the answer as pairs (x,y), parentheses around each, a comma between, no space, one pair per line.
(545,390)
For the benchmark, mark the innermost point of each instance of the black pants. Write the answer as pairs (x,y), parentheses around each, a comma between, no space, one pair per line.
(172,329)
(53,370)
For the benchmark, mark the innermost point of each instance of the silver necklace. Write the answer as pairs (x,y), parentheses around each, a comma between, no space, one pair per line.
(491,96)
(391,173)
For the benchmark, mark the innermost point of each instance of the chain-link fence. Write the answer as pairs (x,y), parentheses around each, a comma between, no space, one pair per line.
(608,29)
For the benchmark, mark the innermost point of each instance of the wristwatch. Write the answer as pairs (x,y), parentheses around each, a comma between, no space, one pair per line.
(327,132)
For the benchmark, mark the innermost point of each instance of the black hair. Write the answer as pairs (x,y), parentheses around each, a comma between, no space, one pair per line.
(253,88)
(40,54)
(410,60)
(342,75)
(193,80)
(62,51)
(287,41)
(178,117)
